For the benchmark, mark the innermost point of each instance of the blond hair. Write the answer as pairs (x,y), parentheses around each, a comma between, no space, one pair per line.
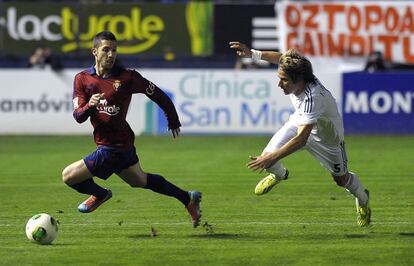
(296,66)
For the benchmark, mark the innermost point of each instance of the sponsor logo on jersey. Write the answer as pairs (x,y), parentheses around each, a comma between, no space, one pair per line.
(117,84)
(150,89)
(104,108)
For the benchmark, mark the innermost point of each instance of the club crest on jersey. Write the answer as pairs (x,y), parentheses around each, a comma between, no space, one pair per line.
(117,84)
(104,108)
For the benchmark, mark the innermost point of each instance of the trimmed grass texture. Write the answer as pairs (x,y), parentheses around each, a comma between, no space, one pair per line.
(307,220)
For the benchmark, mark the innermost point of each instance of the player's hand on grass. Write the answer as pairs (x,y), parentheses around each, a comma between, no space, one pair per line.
(242,49)
(175,132)
(94,100)
(260,162)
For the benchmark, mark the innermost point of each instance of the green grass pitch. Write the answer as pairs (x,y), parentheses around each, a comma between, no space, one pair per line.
(306,220)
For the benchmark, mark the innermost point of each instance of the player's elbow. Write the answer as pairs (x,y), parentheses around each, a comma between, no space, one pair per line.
(78,118)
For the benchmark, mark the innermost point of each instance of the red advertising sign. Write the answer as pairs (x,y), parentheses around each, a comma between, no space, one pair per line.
(338,28)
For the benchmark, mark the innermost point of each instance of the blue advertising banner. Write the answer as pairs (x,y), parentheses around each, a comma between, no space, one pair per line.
(378,103)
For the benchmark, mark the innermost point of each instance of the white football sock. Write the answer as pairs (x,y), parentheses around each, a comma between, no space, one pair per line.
(355,187)
(278,170)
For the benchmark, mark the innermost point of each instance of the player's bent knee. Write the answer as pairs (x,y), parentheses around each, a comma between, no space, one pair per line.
(134,177)
(66,175)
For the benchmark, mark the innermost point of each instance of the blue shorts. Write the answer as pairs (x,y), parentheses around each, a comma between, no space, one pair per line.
(106,160)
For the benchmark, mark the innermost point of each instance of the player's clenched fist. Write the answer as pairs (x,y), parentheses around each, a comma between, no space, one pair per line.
(94,100)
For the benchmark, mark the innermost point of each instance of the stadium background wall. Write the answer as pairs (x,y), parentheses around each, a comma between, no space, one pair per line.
(209,102)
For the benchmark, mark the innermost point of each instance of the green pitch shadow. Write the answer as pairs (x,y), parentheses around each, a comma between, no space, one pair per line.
(212,236)
(141,236)
(59,245)
(218,236)
(355,235)
(407,234)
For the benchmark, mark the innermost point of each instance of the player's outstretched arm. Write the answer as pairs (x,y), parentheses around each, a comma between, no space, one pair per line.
(244,51)
(265,161)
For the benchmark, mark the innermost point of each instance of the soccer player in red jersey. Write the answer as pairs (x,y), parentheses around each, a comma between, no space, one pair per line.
(103,93)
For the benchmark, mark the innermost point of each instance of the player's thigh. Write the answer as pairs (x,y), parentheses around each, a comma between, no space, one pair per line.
(333,157)
(76,173)
(134,176)
(288,131)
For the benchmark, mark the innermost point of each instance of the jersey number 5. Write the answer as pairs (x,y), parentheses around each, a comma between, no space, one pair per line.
(337,167)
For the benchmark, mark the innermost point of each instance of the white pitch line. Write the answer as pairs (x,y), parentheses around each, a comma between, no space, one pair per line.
(224,223)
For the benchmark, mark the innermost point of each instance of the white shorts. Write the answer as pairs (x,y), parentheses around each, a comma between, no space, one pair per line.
(332,156)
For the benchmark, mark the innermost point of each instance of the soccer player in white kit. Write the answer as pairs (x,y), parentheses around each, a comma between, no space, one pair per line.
(316,126)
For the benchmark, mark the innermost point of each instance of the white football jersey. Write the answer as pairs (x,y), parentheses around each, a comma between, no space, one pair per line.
(316,105)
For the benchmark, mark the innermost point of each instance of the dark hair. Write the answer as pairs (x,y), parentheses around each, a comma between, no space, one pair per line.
(296,66)
(103,35)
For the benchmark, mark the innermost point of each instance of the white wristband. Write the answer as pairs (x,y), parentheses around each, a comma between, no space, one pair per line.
(256,54)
